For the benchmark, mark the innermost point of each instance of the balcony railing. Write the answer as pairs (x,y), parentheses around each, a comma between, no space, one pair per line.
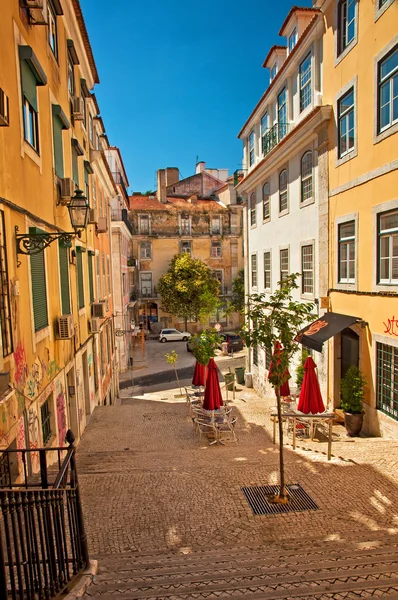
(274,135)
(163,231)
(122,215)
(118,179)
(43,543)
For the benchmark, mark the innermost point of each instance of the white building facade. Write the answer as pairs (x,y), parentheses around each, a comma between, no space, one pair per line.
(284,179)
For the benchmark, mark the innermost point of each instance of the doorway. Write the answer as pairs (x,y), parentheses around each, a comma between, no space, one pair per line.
(349,350)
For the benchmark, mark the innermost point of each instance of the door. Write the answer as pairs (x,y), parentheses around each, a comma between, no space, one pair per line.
(349,350)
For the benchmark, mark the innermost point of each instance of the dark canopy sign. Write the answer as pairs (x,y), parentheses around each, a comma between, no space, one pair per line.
(327,326)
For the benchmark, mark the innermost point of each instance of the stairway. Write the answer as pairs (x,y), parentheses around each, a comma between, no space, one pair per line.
(364,567)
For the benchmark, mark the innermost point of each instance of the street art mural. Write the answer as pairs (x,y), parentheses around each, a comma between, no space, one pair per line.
(61,417)
(30,381)
(34,437)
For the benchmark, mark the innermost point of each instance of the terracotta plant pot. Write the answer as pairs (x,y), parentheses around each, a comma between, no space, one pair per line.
(353,423)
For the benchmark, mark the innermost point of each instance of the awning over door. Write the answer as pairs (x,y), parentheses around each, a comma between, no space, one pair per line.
(327,326)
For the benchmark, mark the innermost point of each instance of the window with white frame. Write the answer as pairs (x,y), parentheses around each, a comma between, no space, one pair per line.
(283,194)
(346,23)
(146,285)
(186,247)
(283,264)
(267,270)
(52,29)
(185,225)
(251,149)
(346,123)
(71,76)
(264,129)
(216,225)
(306,176)
(145,250)
(282,114)
(387,80)
(273,72)
(387,379)
(266,202)
(254,270)
(98,271)
(307,269)
(144,224)
(305,82)
(387,232)
(29,82)
(216,251)
(346,252)
(253,215)
(30,122)
(292,39)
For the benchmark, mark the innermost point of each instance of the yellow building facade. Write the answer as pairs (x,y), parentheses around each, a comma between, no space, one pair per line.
(56,364)
(360,50)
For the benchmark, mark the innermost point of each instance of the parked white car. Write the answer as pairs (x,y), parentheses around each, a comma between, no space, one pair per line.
(173,335)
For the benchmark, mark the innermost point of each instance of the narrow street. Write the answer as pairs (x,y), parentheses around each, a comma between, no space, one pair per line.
(153,493)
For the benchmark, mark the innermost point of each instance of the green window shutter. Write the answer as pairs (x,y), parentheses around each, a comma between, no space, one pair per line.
(58,151)
(86,174)
(80,283)
(90,275)
(29,83)
(39,292)
(75,167)
(64,278)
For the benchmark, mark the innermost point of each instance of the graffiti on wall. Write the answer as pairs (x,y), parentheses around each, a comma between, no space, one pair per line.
(61,417)
(391,326)
(31,381)
(34,436)
(20,439)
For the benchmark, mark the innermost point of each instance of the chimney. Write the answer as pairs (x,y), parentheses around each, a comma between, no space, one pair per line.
(200,166)
(172,176)
(192,199)
(161,191)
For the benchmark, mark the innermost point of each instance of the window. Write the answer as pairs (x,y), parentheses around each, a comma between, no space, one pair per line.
(254,270)
(267,270)
(84,110)
(268,358)
(283,201)
(108,264)
(382,2)
(99,290)
(39,288)
(216,225)
(80,279)
(274,70)
(146,285)
(60,123)
(266,202)
(30,125)
(52,29)
(75,166)
(219,276)
(251,149)
(185,228)
(305,82)
(346,24)
(292,39)
(63,252)
(284,264)
(46,421)
(91,129)
(282,114)
(5,310)
(388,91)
(307,269)
(388,248)
(346,123)
(90,275)
(346,232)
(216,250)
(87,184)
(104,274)
(32,75)
(253,209)
(71,76)
(306,176)
(94,192)
(144,224)
(145,250)
(255,356)
(387,379)
(186,247)
(264,130)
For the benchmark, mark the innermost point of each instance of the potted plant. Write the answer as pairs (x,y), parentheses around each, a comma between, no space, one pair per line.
(352,395)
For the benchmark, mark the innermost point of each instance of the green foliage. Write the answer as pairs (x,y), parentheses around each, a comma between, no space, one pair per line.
(189,290)
(238,291)
(205,345)
(352,391)
(171,358)
(277,318)
(300,368)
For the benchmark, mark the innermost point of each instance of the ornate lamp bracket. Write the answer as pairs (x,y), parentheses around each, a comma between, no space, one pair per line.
(35,243)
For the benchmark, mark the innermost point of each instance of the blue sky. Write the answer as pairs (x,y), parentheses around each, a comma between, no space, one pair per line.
(179,78)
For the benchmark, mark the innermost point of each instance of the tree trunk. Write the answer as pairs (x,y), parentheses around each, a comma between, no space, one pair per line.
(178,381)
(282,491)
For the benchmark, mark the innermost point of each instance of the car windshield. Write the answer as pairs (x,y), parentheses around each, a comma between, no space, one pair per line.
(234,338)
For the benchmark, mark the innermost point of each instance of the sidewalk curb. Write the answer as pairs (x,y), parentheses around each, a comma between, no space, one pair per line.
(83,581)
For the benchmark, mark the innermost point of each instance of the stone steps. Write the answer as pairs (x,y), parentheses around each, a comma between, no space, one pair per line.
(364,567)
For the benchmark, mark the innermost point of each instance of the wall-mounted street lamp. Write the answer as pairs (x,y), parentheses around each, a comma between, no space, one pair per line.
(33,243)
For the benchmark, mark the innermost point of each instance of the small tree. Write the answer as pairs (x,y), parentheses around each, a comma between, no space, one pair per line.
(205,345)
(352,391)
(238,292)
(171,359)
(189,289)
(277,318)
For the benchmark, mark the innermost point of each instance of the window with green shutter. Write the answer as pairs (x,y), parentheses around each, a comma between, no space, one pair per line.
(60,122)
(64,278)
(39,290)
(80,280)
(75,167)
(90,275)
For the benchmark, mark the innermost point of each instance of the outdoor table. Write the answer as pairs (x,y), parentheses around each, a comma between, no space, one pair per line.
(293,414)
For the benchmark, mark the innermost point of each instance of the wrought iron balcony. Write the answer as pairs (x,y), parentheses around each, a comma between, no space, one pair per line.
(122,215)
(118,179)
(274,135)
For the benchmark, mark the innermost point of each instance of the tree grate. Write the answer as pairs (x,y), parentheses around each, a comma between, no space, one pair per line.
(258,497)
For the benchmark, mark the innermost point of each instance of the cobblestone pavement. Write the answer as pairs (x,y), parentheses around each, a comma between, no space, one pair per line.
(149,485)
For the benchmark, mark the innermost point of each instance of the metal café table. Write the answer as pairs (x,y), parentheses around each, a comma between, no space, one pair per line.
(294,415)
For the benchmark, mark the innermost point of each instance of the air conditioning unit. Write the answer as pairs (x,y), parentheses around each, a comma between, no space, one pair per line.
(68,187)
(4,116)
(102,225)
(98,309)
(93,215)
(95,325)
(32,3)
(65,327)
(78,109)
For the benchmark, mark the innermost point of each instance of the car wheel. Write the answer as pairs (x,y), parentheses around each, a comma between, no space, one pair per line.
(185,339)
(163,340)
(188,349)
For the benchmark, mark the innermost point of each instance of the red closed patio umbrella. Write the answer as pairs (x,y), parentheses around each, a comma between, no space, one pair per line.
(213,398)
(199,374)
(310,400)
(284,389)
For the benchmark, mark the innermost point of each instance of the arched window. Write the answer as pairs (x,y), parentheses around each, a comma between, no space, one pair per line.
(306,176)
(253,208)
(283,191)
(266,202)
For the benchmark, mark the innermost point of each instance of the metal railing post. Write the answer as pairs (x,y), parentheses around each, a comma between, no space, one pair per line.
(3,579)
